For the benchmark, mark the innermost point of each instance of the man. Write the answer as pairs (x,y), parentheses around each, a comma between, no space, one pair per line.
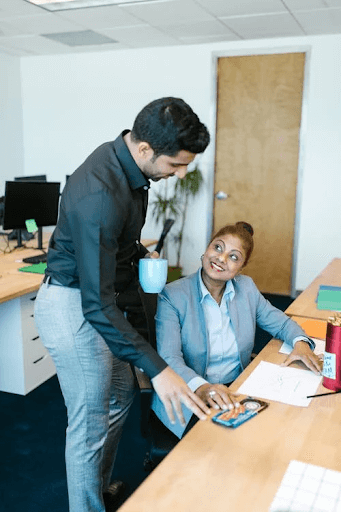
(84,310)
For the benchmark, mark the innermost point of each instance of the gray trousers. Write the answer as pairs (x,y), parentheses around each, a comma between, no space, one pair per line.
(98,390)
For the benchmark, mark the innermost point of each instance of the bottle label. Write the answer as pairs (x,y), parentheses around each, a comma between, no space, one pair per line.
(329,365)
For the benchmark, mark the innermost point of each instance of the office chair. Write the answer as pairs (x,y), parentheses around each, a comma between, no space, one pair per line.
(160,439)
(168,224)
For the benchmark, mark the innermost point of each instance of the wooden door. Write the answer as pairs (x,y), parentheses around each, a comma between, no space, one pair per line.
(259,100)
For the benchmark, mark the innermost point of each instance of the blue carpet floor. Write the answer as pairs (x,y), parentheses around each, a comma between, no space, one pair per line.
(32,428)
(32,468)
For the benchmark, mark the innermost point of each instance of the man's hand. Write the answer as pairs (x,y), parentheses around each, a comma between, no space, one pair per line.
(302,352)
(217,396)
(154,255)
(173,391)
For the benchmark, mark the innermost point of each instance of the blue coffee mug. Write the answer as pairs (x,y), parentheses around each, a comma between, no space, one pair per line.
(153,274)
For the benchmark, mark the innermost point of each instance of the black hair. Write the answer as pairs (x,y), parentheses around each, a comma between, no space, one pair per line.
(244,231)
(169,125)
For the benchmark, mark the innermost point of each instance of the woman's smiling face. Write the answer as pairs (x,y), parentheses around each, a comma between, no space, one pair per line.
(223,258)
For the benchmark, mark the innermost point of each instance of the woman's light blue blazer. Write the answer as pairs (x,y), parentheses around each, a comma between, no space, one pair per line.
(182,338)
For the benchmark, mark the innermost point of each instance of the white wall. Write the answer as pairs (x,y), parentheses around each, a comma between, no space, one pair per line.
(11,131)
(320,212)
(73,103)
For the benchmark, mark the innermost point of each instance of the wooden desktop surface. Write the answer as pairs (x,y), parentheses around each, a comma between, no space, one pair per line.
(214,468)
(305,304)
(14,283)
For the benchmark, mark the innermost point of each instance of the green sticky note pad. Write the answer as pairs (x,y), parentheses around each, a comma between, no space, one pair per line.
(31,225)
(329,297)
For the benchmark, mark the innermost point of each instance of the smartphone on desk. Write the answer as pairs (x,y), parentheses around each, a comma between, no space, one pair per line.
(249,408)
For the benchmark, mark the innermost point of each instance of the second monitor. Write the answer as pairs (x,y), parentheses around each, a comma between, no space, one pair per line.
(36,177)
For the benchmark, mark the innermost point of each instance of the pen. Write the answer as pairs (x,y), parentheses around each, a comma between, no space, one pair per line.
(325,394)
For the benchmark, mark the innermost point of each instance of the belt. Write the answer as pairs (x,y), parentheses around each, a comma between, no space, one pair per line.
(51,280)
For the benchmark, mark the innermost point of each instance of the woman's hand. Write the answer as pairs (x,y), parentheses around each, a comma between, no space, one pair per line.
(302,352)
(217,396)
(172,391)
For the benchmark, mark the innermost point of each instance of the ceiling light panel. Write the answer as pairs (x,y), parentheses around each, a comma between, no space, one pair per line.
(64,5)
(80,38)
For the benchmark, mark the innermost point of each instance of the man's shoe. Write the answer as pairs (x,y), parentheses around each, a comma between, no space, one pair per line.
(113,497)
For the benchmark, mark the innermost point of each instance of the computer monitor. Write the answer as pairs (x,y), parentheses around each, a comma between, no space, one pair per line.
(26,200)
(37,177)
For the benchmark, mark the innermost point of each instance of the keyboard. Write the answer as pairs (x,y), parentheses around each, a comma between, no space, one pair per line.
(40,258)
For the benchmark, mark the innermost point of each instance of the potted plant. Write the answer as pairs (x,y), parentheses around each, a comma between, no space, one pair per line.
(174,203)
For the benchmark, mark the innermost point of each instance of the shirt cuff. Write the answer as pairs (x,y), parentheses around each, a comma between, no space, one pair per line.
(310,342)
(195,383)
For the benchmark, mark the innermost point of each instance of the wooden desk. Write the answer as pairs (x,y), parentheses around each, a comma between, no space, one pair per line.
(305,304)
(24,361)
(14,283)
(217,469)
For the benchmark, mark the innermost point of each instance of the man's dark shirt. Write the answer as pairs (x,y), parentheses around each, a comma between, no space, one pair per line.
(96,245)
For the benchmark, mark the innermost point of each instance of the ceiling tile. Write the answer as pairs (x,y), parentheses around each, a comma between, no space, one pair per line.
(41,23)
(18,7)
(242,7)
(8,30)
(324,21)
(16,50)
(169,12)
(99,48)
(141,36)
(26,45)
(333,3)
(208,39)
(203,28)
(268,25)
(297,5)
(101,17)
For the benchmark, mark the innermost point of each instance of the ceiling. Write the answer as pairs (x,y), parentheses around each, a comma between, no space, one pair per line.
(27,30)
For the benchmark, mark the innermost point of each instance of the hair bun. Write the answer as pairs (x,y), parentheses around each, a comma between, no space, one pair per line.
(245,225)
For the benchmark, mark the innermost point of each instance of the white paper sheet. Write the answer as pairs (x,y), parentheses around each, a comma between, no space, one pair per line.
(281,383)
(319,349)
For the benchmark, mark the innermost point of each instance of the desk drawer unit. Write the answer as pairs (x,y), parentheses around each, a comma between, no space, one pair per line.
(24,361)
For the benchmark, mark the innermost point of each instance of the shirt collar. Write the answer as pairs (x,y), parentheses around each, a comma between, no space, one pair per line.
(134,174)
(229,291)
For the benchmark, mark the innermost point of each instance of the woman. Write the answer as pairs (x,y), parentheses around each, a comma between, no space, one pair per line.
(206,323)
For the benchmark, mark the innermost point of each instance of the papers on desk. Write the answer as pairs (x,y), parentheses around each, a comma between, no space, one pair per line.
(306,487)
(281,384)
(319,349)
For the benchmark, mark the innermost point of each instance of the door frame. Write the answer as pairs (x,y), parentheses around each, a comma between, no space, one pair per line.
(306,49)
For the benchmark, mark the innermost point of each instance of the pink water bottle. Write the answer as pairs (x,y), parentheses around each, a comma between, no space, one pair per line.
(332,356)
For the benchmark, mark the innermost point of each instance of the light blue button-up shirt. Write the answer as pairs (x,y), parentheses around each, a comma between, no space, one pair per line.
(223,356)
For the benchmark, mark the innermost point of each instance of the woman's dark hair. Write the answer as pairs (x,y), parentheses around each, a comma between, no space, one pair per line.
(244,231)
(169,125)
